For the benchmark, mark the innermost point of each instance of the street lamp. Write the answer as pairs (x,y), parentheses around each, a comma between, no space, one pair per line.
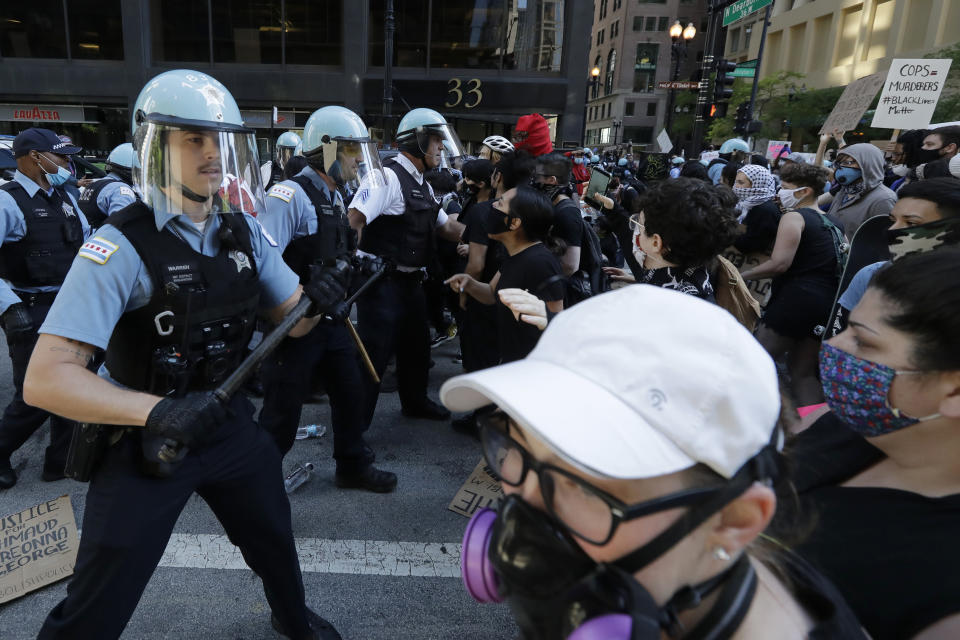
(680,37)
(591,87)
(616,130)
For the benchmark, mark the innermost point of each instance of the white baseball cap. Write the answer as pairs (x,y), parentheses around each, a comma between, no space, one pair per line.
(636,383)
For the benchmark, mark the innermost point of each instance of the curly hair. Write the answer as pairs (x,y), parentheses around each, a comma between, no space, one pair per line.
(805,175)
(695,220)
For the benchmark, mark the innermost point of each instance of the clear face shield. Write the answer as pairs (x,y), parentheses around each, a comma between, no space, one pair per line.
(182,169)
(350,162)
(284,154)
(441,146)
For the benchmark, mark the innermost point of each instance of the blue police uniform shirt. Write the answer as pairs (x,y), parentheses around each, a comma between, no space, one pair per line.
(115,195)
(290,213)
(108,278)
(13,227)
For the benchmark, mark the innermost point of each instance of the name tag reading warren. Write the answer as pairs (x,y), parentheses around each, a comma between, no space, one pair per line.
(181,272)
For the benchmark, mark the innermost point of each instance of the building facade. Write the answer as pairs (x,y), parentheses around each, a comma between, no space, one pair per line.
(631,45)
(834,42)
(78,65)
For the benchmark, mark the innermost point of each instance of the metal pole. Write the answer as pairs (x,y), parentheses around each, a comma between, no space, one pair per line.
(756,72)
(675,56)
(706,69)
(388,29)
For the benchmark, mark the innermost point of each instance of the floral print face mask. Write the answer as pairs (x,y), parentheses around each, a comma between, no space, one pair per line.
(858,392)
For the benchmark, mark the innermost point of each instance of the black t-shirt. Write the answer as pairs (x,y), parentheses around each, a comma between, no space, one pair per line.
(477,227)
(890,552)
(761,224)
(568,223)
(821,599)
(815,262)
(530,270)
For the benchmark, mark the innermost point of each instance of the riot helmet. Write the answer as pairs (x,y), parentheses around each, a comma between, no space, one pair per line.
(120,161)
(416,131)
(336,141)
(192,150)
(286,147)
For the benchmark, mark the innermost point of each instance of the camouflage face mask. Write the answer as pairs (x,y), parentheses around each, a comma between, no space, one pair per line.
(923,237)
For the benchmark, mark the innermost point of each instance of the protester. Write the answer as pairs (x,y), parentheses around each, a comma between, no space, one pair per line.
(880,467)
(682,225)
(758,212)
(532,134)
(943,142)
(522,221)
(862,195)
(493,148)
(552,178)
(694,169)
(805,272)
(637,450)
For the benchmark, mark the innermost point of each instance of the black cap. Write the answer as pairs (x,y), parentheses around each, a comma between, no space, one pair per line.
(36,139)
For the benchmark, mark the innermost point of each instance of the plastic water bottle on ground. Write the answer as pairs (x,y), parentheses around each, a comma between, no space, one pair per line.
(311,431)
(300,474)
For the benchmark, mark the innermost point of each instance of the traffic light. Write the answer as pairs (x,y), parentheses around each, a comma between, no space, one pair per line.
(722,86)
(743,118)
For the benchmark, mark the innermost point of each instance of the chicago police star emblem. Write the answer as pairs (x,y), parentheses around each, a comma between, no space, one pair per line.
(239,257)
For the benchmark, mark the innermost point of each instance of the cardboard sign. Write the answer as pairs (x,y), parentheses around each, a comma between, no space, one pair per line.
(38,546)
(852,104)
(759,289)
(709,155)
(774,148)
(910,93)
(479,491)
(663,140)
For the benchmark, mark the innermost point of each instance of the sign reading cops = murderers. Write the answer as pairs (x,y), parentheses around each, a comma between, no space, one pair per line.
(38,546)
(910,93)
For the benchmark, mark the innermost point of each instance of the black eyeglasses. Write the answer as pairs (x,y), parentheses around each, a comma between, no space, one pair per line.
(585,510)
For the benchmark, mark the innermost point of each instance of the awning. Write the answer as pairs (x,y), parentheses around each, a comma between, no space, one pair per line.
(44,113)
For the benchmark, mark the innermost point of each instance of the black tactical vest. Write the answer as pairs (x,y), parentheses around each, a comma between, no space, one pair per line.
(194,331)
(333,238)
(405,239)
(54,235)
(88,202)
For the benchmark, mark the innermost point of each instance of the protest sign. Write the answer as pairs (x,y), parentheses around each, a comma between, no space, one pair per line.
(852,104)
(759,289)
(774,147)
(663,140)
(910,93)
(479,491)
(709,155)
(38,546)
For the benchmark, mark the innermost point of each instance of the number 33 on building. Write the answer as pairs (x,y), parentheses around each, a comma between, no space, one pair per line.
(456,96)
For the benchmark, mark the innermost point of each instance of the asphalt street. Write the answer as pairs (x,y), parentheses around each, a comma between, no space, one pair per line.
(357,573)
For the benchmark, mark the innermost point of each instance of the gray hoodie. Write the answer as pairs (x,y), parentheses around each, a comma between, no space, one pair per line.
(869,195)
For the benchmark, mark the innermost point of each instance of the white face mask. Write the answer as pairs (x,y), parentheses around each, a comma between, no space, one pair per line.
(900,169)
(788,197)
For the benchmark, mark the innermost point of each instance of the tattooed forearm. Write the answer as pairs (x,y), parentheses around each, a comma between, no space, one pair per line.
(77,354)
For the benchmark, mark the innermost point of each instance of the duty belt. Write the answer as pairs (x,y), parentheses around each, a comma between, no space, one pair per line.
(35,298)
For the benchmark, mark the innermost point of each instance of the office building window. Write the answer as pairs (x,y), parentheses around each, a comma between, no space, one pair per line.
(314,31)
(645,67)
(651,23)
(653,1)
(747,32)
(247,31)
(96,32)
(181,31)
(628,109)
(734,40)
(605,135)
(603,9)
(409,38)
(638,23)
(662,23)
(534,35)
(638,135)
(467,34)
(611,71)
(33,29)
(652,109)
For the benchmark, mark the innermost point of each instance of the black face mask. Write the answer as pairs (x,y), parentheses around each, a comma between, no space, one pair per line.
(499,222)
(928,155)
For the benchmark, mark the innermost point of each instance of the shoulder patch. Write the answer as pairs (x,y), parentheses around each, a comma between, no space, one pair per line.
(268,237)
(282,192)
(98,250)
(127,191)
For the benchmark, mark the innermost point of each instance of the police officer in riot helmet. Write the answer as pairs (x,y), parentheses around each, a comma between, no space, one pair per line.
(41,229)
(286,148)
(307,218)
(112,193)
(396,224)
(180,277)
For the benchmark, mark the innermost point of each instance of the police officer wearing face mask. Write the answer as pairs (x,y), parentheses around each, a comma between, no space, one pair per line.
(41,227)
(307,218)
(396,223)
(179,278)
(272,171)
(108,195)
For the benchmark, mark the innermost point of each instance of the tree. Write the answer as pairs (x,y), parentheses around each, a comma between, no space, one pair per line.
(948,108)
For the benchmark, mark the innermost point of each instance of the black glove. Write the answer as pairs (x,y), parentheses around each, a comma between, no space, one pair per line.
(339,312)
(327,286)
(189,421)
(17,322)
